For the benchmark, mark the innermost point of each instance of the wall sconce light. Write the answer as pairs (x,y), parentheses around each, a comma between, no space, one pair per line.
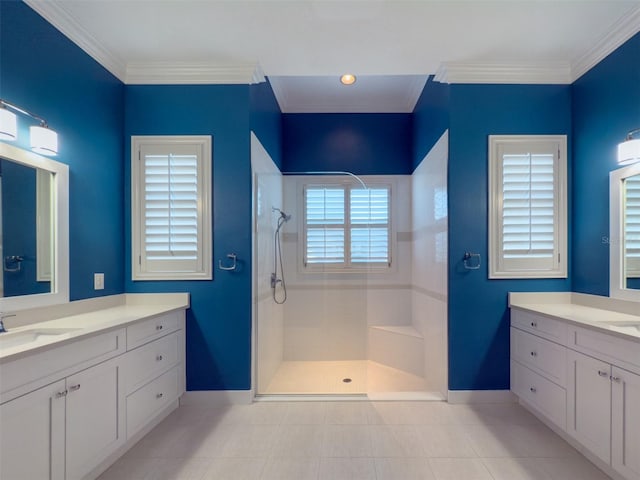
(43,139)
(629,150)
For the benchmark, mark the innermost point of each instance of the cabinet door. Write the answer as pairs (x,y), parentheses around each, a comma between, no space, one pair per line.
(625,418)
(32,435)
(589,403)
(95,417)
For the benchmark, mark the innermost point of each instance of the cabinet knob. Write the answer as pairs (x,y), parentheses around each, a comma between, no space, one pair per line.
(534,324)
(616,379)
(159,327)
(158,358)
(159,395)
(74,388)
(534,354)
(533,389)
(603,373)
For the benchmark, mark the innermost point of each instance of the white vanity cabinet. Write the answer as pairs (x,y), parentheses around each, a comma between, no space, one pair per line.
(538,365)
(584,381)
(68,411)
(32,435)
(74,422)
(65,429)
(154,368)
(94,425)
(625,423)
(589,403)
(604,401)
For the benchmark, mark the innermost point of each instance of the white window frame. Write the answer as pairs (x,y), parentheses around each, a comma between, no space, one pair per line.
(347,266)
(201,268)
(499,266)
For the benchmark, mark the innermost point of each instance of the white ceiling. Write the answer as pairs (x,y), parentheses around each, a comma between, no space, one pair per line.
(302,45)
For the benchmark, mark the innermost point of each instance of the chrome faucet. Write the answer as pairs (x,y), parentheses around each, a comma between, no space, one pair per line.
(2,317)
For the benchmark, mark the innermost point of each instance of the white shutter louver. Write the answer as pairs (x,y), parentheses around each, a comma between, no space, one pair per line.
(528,206)
(324,217)
(632,226)
(171,206)
(369,225)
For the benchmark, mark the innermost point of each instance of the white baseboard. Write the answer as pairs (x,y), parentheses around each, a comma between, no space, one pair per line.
(213,398)
(481,396)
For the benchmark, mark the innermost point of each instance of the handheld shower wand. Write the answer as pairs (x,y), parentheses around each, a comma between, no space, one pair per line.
(277,258)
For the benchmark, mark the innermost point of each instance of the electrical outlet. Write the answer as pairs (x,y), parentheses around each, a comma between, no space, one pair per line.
(98,281)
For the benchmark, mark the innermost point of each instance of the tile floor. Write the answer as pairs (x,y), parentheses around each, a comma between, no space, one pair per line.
(326,377)
(352,440)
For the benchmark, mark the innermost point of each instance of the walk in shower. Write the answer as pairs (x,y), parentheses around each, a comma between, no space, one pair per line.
(349,282)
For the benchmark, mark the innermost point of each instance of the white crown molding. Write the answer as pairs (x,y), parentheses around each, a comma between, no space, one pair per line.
(56,15)
(620,32)
(182,73)
(504,73)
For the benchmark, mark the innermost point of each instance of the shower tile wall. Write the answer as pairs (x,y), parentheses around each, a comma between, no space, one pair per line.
(429,247)
(327,315)
(269,316)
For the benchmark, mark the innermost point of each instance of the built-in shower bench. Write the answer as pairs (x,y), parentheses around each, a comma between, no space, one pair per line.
(398,346)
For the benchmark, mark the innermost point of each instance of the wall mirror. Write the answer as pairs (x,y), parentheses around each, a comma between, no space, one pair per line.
(34,230)
(624,235)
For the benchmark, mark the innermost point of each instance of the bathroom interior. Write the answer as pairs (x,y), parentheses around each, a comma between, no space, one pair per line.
(424,323)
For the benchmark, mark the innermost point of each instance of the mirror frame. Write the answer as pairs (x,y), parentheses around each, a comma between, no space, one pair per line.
(616,234)
(60,197)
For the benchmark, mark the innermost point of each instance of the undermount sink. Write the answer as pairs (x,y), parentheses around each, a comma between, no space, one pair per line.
(14,339)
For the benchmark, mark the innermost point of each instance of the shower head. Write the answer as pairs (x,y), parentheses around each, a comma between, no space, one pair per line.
(283,215)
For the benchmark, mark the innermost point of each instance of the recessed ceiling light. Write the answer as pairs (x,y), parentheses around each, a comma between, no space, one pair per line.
(348,79)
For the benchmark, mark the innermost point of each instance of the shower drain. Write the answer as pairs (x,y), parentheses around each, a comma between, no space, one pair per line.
(346,380)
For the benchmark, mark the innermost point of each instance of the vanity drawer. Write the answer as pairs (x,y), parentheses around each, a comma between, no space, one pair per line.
(547,358)
(544,395)
(156,327)
(148,361)
(31,372)
(609,348)
(545,327)
(146,402)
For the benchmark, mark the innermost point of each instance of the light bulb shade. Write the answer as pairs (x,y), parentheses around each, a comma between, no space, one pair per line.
(629,151)
(8,125)
(44,141)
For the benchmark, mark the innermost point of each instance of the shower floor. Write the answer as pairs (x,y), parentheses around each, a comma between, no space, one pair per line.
(327,377)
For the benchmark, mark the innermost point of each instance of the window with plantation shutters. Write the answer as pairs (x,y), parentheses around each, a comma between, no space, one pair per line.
(171,208)
(527,207)
(632,226)
(346,227)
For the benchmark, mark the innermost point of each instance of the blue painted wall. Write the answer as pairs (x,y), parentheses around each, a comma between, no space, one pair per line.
(606,105)
(478,314)
(44,72)
(219,322)
(361,143)
(266,119)
(430,119)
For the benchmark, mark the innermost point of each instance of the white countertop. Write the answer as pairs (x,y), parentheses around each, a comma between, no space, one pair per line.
(616,317)
(83,319)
